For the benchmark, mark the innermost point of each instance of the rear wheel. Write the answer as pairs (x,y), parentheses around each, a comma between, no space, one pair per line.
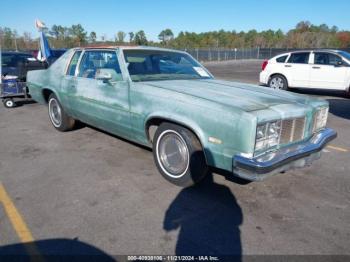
(59,119)
(347,93)
(178,155)
(9,103)
(278,82)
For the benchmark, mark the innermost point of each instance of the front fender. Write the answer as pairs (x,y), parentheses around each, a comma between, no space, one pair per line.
(231,140)
(181,120)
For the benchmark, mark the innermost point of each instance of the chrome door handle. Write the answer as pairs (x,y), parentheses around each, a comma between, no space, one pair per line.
(287,66)
(316,67)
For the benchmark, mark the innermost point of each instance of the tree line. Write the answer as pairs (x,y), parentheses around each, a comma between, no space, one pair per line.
(304,35)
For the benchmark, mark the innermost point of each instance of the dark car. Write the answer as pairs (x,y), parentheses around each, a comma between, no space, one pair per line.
(19,63)
(55,54)
(15,66)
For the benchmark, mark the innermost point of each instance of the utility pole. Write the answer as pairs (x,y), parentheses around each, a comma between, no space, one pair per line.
(16,44)
(0,64)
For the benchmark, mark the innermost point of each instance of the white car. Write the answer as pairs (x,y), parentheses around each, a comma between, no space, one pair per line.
(319,69)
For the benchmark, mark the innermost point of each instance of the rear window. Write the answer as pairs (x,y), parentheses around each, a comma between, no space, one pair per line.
(299,58)
(12,60)
(281,59)
(57,53)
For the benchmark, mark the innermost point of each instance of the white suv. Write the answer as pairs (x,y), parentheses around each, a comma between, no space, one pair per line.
(321,69)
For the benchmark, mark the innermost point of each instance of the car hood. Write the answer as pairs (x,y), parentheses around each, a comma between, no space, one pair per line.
(244,96)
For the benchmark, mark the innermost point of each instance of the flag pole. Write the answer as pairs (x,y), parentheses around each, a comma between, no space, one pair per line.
(0,63)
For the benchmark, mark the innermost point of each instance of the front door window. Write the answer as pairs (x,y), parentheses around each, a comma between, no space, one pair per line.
(93,62)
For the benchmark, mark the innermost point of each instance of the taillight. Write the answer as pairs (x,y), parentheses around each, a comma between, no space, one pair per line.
(264,64)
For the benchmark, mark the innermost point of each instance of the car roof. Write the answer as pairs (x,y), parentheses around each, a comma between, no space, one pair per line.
(15,53)
(313,50)
(309,50)
(129,47)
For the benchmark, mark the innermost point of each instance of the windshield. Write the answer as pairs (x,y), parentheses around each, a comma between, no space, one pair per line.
(344,54)
(153,65)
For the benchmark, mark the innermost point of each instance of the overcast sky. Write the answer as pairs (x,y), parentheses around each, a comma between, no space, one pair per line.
(108,17)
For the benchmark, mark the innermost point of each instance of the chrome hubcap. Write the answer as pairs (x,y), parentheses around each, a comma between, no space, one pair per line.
(55,112)
(9,103)
(172,153)
(277,83)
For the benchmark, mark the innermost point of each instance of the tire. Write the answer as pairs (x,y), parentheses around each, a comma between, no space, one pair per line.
(347,93)
(278,82)
(9,103)
(186,165)
(58,117)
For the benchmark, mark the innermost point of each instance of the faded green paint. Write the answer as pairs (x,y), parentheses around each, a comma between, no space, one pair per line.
(225,110)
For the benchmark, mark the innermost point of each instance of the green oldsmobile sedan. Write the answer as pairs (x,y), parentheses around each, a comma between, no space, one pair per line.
(166,100)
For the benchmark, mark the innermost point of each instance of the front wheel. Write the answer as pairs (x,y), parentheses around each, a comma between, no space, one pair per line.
(278,82)
(179,155)
(59,118)
(9,103)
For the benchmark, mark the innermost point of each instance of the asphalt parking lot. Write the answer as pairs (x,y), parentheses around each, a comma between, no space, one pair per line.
(86,191)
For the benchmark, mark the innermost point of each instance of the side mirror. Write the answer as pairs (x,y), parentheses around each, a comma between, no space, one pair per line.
(104,75)
(340,63)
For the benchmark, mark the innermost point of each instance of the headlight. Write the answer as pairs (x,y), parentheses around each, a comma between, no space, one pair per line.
(267,135)
(320,119)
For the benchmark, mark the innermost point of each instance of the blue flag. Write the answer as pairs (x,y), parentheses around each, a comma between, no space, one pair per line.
(44,46)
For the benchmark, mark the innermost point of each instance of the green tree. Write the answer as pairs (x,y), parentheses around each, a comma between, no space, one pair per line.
(55,31)
(92,37)
(78,34)
(120,37)
(166,35)
(303,26)
(7,38)
(131,37)
(140,38)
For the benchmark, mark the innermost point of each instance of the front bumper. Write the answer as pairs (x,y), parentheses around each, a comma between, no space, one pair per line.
(270,163)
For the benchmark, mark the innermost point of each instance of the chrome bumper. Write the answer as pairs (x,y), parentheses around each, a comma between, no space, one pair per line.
(268,164)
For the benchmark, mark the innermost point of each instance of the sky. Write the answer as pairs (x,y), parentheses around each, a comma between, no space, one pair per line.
(106,17)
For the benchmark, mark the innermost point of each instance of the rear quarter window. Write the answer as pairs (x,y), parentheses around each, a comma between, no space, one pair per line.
(73,63)
(60,64)
(281,59)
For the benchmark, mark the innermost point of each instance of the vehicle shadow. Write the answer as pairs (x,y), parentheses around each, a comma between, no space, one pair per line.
(337,106)
(83,125)
(340,107)
(20,103)
(319,92)
(208,217)
(230,176)
(53,250)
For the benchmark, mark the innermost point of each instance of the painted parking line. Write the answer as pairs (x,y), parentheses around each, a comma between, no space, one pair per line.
(338,148)
(17,222)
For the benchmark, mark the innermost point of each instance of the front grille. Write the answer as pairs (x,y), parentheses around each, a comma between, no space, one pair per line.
(292,130)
